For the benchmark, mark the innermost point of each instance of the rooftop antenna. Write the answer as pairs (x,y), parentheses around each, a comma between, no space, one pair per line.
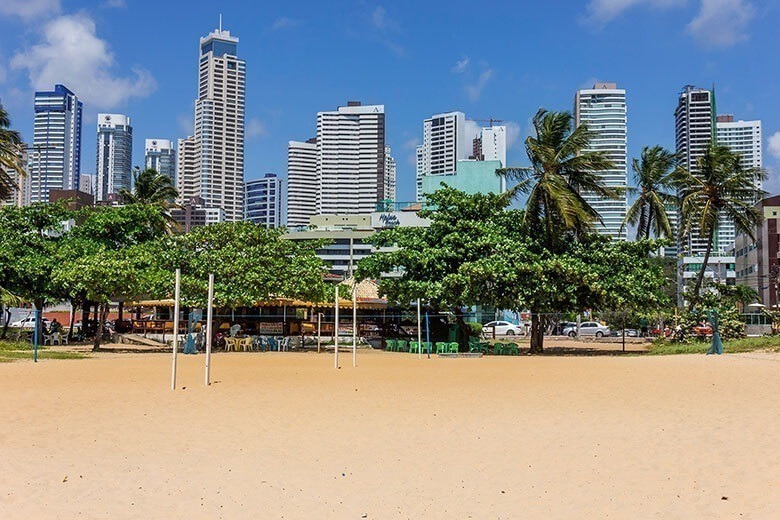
(220,22)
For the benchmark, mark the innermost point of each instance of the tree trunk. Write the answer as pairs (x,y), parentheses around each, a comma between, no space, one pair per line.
(537,333)
(84,317)
(39,323)
(7,322)
(700,277)
(465,330)
(72,319)
(101,320)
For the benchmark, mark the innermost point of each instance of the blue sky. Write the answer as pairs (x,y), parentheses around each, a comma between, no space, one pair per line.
(501,59)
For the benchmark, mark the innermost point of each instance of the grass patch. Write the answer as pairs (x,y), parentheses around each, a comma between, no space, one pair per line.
(14,350)
(734,346)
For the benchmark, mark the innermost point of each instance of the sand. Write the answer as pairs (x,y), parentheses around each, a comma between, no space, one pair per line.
(285,435)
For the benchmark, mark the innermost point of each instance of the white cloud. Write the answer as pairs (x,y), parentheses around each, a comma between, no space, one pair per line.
(255,128)
(284,23)
(73,55)
(379,17)
(28,9)
(186,124)
(721,23)
(471,131)
(773,145)
(475,91)
(460,65)
(601,12)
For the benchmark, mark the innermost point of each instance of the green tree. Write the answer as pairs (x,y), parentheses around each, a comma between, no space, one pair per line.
(152,187)
(11,147)
(250,264)
(722,188)
(560,172)
(653,177)
(463,228)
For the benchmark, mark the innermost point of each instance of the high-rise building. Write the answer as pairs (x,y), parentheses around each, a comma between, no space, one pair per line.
(694,131)
(188,169)
(744,138)
(350,159)
(302,185)
(420,170)
(87,183)
(263,201)
(54,159)
(218,149)
(161,157)
(389,175)
(603,109)
(492,144)
(114,155)
(444,144)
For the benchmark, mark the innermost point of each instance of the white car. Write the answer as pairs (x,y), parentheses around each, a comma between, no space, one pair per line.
(29,323)
(588,328)
(503,328)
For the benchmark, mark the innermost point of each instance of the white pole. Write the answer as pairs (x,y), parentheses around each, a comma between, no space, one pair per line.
(209,315)
(354,322)
(336,333)
(319,328)
(419,331)
(175,328)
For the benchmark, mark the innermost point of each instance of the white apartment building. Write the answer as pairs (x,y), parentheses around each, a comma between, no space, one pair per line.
(419,171)
(188,181)
(444,144)
(492,144)
(87,183)
(302,185)
(218,175)
(389,175)
(160,155)
(54,160)
(263,201)
(350,159)
(603,109)
(114,155)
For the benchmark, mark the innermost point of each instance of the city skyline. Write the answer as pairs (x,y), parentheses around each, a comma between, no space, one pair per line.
(155,88)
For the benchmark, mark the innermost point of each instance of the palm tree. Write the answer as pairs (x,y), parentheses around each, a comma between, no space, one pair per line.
(560,171)
(149,187)
(653,177)
(10,155)
(722,188)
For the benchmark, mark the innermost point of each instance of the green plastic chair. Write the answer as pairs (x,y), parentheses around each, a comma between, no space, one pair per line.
(441,347)
(426,346)
(414,347)
(454,347)
(401,345)
(390,345)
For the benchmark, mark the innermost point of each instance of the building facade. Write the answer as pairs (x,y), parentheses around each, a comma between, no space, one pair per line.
(389,175)
(195,213)
(351,159)
(757,263)
(471,176)
(444,144)
(114,155)
(603,109)
(302,185)
(214,157)
(490,145)
(264,200)
(54,160)
(160,155)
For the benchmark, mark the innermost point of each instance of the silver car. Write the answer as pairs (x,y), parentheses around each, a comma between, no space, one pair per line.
(588,328)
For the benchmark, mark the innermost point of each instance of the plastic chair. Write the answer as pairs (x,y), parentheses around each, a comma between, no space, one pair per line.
(441,347)
(401,345)
(414,347)
(426,346)
(454,347)
(390,345)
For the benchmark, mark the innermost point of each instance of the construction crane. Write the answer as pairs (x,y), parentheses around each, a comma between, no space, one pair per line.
(490,121)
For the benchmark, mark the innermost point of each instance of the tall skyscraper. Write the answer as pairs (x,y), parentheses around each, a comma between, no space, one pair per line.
(188,169)
(744,138)
(491,143)
(161,157)
(55,157)
(444,144)
(114,155)
(218,148)
(420,170)
(603,109)
(263,201)
(302,185)
(351,159)
(389,175)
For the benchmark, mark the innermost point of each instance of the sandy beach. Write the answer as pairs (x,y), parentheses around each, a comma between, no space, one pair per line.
(285,435)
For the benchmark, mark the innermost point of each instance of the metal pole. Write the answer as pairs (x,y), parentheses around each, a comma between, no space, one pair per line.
(35,333)
(624,331)
(354,322)
(175,328)
(209,315)
(319,331)
(419,332)
(336,333)
(428,334)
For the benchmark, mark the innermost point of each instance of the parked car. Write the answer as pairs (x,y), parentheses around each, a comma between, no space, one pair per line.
(561,326)
(29,323)
(588,328)
(630,333)
(503,328)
